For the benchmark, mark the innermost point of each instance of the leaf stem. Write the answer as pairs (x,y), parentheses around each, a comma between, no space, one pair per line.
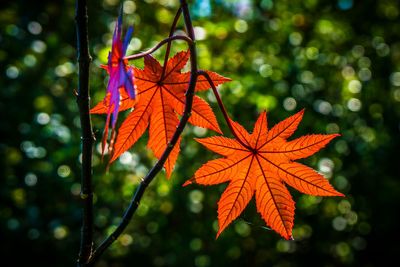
(156,47)
(83,102)
(222,107)
(171,33)
(135,201)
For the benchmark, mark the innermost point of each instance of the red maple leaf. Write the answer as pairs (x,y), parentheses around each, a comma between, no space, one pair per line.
(262,163)
(158,103)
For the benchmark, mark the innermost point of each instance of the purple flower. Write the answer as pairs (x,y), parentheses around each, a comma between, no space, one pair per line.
(121,77)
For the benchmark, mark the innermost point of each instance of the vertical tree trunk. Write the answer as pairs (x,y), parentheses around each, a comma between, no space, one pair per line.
(87,137)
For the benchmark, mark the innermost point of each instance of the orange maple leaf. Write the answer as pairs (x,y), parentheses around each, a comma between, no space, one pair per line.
(262,163)
(158,103)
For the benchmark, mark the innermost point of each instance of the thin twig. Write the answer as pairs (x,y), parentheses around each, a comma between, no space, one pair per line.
(167,40)
(222,107)
(135,201)
(171,33)
(84,59)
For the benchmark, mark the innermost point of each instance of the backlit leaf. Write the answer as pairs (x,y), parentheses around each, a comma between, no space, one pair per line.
(261,167)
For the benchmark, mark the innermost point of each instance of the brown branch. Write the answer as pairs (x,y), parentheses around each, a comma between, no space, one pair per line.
(168,50)
(135,201)
(84,59)
(222,107)
(156,47)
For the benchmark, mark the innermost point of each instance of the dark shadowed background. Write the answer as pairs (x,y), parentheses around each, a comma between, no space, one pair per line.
(340,60)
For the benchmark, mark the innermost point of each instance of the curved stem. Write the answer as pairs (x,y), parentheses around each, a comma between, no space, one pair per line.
(167,40)
(135,201)
(222,107)
(171,33)
(87,138)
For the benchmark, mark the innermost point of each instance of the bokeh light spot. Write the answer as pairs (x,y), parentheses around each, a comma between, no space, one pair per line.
(354,104)
(242,228)
(345,4)
(289,103)
(30,60)
(64,171)
(30,179)
(12,72)
(241,26)
(129,7)
(43,118)
(34,27)
(38,46)
(355,86)
(339,223)
(60,232)
(200,33)
(395,78)
(295,38)
(125,239)
(196,244)
(202,261)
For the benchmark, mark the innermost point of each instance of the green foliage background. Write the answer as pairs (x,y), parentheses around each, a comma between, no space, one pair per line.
(338,59)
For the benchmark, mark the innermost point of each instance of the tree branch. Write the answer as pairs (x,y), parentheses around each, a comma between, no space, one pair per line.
(84,59)
(171,33)
(222,107)
(135,201)
(167,40)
